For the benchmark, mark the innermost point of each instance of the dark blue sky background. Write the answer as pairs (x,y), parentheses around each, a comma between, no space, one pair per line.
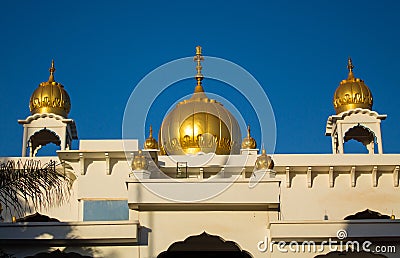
(297,50)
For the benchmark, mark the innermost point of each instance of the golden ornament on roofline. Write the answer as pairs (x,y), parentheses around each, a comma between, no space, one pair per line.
(139,162)
(249,142)
(162,151)
(352,93)
(50,97)
(151,143)
(264,161)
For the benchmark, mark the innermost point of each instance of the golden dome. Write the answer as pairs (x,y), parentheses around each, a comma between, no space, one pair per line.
(50,97)
(264,161)
(199,124)
(151,143)
(352,93)
(249,142)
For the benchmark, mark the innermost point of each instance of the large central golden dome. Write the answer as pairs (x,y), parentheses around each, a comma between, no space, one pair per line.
(50,97)
(352,93)
(200,124)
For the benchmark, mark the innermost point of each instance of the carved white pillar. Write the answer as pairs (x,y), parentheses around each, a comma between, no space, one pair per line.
(370,147)
(340,138)
(334,140)
(24,141)
(379,140)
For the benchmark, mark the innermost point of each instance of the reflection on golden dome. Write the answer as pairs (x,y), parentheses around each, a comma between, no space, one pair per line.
(50,97)
(249,142)
(139,162)
(264,161)
(199,124)
(352,93)
(150,142)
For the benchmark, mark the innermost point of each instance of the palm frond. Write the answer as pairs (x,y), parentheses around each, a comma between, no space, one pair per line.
(30,185)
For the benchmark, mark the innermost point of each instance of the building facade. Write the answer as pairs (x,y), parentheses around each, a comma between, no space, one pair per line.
(203,190)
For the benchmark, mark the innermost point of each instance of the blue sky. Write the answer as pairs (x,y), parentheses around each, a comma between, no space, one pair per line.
(297,50)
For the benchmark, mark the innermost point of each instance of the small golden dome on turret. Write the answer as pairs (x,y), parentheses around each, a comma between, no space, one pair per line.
(352,93)
(199,124)
(139,162)
(264,161)
(50,97)
(249,142)
(151,143)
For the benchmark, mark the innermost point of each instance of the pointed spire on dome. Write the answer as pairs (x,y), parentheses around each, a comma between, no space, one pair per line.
(52,69)
(199,124)
(150,142)
(350,67)
(50,97)
(249,142)
(352,93)
(199,77)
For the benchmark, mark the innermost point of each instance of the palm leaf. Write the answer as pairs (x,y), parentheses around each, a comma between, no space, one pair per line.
(30,185)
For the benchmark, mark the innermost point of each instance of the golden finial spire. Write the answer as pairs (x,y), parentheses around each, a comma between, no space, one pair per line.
(263,151)
(350,67)
(199,77)
(52,70)
(150,142)
(249,142)
(151,132)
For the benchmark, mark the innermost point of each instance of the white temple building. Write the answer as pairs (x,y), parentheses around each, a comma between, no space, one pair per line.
(203,190)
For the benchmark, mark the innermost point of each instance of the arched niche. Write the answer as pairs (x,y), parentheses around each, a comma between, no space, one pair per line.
(42,138)
(204,245)
(42,129)
(58,254)
(362,125)
(367,214)
(363,135)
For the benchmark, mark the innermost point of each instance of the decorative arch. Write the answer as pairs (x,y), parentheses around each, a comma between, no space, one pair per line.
(42,138)
(41,129)
(204,245)
(361,134)
(58,254)
(367,214)
(37,217)
(362,125)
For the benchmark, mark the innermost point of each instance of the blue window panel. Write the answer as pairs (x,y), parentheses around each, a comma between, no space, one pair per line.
(105,210)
